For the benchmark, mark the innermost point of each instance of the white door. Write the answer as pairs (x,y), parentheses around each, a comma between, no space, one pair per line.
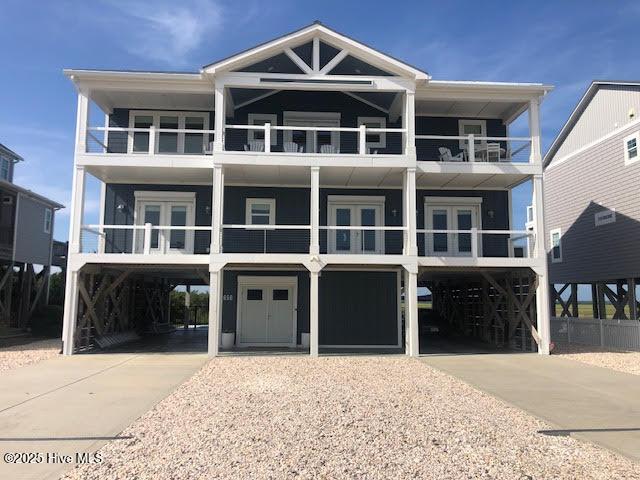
(356,241)
(267,313)
(440,217)
(176,214)
(311,140)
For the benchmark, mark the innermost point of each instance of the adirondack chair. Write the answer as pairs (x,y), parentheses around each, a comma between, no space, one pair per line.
(447,156)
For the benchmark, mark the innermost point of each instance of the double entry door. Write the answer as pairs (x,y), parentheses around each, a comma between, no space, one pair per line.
(266,311)
(355,241)
(165,213)
(451,217)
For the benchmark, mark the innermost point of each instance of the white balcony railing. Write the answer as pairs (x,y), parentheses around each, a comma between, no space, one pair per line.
(150,141)
(317,140)
(472,148)
(238,238)
(145,239)
(355,239)
(476,243)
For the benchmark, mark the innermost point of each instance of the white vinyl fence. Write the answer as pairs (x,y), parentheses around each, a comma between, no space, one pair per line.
(619,334)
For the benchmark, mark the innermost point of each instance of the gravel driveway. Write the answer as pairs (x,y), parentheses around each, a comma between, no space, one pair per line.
(21,355)
(341,417)
(620,360)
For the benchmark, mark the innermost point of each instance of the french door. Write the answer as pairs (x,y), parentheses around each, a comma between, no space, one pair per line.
(443,217)
(158,213)
(355,241)
(312,141)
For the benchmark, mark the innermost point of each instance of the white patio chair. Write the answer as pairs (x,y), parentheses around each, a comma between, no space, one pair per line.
(447,156)
(329,149)
(292,147)
(493,152)
(254,146)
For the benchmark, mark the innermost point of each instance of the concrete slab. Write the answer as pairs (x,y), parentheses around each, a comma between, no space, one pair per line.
(70,405)
(590,403)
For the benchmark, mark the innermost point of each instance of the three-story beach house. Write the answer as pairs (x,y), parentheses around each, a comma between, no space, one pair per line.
(314,184)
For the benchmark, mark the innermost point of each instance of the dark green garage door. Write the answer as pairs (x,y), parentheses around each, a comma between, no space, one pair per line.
(358,308)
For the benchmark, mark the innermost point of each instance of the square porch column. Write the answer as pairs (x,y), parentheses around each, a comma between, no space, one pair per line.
(543,302)
(215,308)
(70,312)
(412,333)
(314,325)
(217,209)
(314,246)
(410,243)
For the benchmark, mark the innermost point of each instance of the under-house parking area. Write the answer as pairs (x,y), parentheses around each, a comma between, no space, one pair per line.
(477,310)
(142,308)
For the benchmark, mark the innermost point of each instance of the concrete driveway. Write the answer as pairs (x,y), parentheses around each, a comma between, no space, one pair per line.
(590,403)
(69,405)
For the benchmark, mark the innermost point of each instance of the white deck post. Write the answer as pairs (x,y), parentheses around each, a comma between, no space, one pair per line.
(543,306)
(534,131)
(70,312)
(314,247)
(412,343)
(410,212)
(314,325)
(409,123)
(82,121)
(215,308)
(218,144)
(217,209)
(76,213)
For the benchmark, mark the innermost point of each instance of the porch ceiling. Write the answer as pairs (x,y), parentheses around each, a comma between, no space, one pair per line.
(469,180)
(504,110)
(134,174)
(107,100)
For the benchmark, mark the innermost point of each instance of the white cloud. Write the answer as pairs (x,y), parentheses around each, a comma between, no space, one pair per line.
(165,31)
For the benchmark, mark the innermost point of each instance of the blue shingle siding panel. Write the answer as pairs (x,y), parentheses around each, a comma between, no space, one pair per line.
(349,108)
(428,149)
(118,241)
(496,201)
(358,308)
(230,297)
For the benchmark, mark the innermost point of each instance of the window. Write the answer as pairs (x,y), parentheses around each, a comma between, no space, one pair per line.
(48,218)
(167,141)
(280,294)
(254,294)
(375,140)
(556,245)
(631,153)
(604,217)
(261,211)
(4,168)
(475,127)
(261,119)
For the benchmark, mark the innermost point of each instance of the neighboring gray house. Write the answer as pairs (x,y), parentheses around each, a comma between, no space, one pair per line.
(26,241)
(592,200)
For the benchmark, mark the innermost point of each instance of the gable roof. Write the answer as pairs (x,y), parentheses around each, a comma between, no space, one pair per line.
(578,111)
(316,29)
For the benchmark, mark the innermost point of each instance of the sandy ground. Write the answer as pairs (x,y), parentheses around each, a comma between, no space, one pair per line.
(28,353)
(620,360)
(341,417)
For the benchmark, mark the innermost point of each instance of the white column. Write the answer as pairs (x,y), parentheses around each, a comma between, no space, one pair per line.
(412,343)
(409,123)
(543,306)
(76,213)
(219,115)
(314,247)
(215,308)
(534,131)
(82,121)
(70,311)
(410,211)
(217,209)
(314,325)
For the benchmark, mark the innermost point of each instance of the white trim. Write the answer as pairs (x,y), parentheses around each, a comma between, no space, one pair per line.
(163,196)
(463,122)
(318,119)
(551,163)
(450,201)
(634,136)
(555,231)
(604,217)
(355,202)
(301,64)
(261,119)
(249,204)
(267,281)
(333,63)
(381,122)
(156,114)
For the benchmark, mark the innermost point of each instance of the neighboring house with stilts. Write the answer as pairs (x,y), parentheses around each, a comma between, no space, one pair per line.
(592,204)
(26,246)
(313,183)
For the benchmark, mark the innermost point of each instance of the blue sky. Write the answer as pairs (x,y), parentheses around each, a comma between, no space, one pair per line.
(566,44)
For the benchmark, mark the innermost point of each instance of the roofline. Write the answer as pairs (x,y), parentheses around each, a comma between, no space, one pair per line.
(421,74)
(16,158)
(587,96)
(160,75)
(17,188)
(541,88)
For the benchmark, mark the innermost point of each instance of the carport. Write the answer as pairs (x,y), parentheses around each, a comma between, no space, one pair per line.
(478,310)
